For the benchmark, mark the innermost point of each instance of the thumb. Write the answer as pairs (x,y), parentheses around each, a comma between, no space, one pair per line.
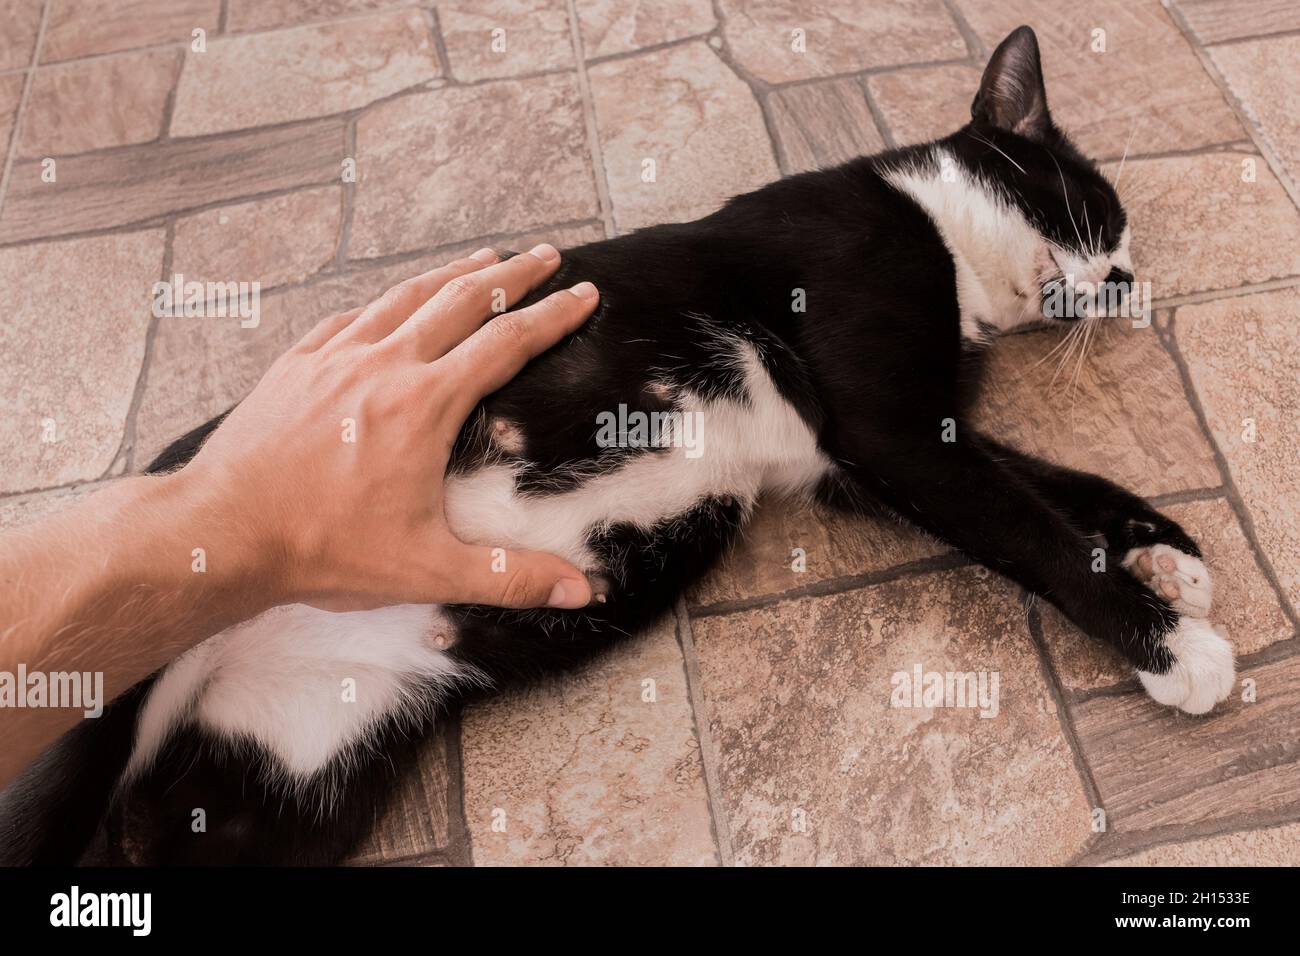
(516,579)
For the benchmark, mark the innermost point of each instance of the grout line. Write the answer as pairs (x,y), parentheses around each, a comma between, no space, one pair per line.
(1129,843)
(20,116)
(349,197)
(1034,623)
(169,106)
(708,749)
(978,52)
(460,845)
(759,89)
(354,266)
(877,117)
(126,449)
(598,170)
(1213,295)
(282,28)
(869,71)
(652,48)
(1169,340)
(1234,41)
(440,46)
(1253,129)
(162,218)
(1226,146)
(837,585)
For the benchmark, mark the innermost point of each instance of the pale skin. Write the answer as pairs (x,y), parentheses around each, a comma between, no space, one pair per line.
(284,507)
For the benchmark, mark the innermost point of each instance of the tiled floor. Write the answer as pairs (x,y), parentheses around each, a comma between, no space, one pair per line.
(218,139)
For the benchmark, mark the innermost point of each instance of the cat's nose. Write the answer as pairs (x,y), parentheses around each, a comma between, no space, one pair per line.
(1118,276)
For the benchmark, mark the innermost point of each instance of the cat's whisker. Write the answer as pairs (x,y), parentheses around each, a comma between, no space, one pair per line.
(1124,158)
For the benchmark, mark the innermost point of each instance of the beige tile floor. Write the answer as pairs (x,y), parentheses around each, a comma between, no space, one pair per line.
(217,138)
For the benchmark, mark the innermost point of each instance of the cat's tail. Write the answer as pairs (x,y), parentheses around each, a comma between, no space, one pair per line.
(50,813)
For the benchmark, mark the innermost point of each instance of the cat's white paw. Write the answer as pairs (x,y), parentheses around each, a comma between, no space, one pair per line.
(1179,578)
(1203,671)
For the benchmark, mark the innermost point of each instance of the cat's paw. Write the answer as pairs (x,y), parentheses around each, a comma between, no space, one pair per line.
(1179,578)
(1203,671)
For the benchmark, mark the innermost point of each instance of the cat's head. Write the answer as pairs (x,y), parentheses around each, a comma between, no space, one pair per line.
(1074,208)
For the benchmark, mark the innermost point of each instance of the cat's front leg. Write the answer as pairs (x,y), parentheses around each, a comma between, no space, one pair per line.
(973,499)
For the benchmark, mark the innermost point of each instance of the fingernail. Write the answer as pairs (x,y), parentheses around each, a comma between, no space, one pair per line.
(584,290)
(485,255)
(546,252)
(569,593)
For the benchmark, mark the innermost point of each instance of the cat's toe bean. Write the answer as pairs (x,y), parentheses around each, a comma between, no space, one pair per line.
(1181,579)
(1203,671)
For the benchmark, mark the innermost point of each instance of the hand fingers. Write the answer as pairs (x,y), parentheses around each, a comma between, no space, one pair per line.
(327,328)
(395,306)
(462,305)
(496,352)
(516,579)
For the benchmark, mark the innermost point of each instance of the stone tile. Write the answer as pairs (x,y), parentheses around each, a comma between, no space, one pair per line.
(262,78)
(1126,419)
(11,94)
(431,167)
(110,101)
(925,104)
(17,511)
(245,15)
(22,20)
(1214,21)
(824,124)
(587,770)
(1241,356)
(80,28)
(1198,226)
(798,698)
(839,36)
(1263,76)
(763,561)
(201,367)
(418,820)
(562,237)
(621,26)
(1275,846)
(1245,604)
(685,111)
(75,369)
(1156,767)
(273,241)
(139,183)
(1148,83)
(505,37)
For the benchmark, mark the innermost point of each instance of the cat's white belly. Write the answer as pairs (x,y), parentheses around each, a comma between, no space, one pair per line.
(305,683)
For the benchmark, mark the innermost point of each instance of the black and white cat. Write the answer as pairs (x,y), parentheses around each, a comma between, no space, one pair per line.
(905,265)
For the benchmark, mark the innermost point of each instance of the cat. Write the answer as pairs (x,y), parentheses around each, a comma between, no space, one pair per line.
(824,332)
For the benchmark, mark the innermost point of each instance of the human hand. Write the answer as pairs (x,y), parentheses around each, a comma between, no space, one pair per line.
(329,475)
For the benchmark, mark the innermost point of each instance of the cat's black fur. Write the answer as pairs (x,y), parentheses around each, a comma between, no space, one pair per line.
(874,366)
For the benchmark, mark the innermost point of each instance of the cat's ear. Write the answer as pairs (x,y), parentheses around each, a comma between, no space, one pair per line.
(1011,94)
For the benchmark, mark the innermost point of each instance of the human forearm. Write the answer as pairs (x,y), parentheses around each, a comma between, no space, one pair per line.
(116,586)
